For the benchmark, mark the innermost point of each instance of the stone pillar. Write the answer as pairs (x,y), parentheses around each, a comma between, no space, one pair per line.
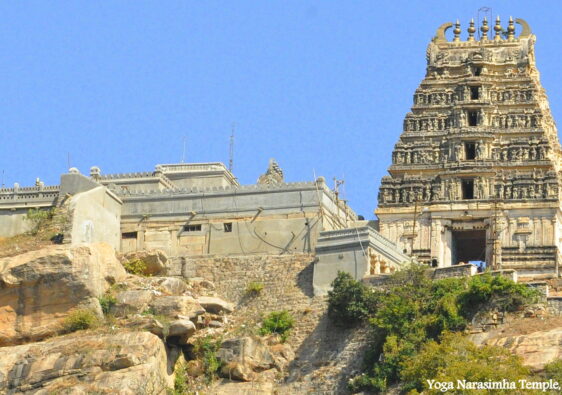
(543,231)
(173,241)
(446,245)
(512,228)
(536,229)
(553,240)
(489,246)
(436,246)
(140,239)
(556,242)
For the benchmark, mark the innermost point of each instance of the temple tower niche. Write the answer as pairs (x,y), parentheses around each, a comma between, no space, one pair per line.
(475,174)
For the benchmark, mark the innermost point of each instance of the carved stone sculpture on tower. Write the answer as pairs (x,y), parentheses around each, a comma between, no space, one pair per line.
(273,175)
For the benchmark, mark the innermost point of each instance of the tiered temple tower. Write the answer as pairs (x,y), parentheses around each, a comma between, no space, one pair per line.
(475,174)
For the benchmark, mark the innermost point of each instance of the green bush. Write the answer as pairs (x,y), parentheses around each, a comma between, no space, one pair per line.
(205,348)
(38,218)
(79,320)
(135,266)
(181,381)
(254,288)
(350,301)
(553,370)
(280,322)
(454,358)
(413,313)
(505,293)
(107,302)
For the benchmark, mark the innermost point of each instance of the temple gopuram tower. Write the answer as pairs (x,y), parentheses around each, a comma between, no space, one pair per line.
(475,175)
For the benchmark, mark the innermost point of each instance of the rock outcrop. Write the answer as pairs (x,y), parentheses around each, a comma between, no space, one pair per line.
(155,260)
(536,348)
(87,363)
(251,388)
(243,357)
(132,302)
(215,305)
(180,331)
(176,307)
(170,285)
(39,288)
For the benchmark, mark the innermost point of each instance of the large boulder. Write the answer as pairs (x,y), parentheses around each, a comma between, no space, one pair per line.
(215,305)
(176,307)
(145,323)
(132,302)
(169,285)
(124,363)
(536,348)
(282,354)
(38,288)
(155,260)
(243,357)
(237,371)
(180,331)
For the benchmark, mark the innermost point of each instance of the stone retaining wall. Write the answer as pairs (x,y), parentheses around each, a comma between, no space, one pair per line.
(326,354)
(554,305)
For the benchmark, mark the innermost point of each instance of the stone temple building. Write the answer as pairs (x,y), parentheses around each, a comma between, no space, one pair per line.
(200,209)
(475,174)
(184,209)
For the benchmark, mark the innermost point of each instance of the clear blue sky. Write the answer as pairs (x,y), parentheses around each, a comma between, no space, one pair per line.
(319,85)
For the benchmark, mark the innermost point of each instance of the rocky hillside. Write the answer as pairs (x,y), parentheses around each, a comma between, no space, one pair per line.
(85,320)
(73,320)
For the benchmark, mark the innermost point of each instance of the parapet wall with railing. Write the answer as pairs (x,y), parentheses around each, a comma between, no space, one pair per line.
(39,196)
(233,198)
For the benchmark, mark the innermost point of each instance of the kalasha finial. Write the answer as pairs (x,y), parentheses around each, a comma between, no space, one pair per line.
(457,31)
(511,30)
(498,29)
(484,29)
(471,30)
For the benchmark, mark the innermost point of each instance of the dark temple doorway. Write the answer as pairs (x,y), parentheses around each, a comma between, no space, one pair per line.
(468,245)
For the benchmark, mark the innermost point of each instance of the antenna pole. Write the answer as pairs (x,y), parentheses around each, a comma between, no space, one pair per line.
(231,150)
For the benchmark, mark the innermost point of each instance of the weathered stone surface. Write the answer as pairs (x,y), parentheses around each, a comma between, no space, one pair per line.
(170,285)
(146,323)
(155,260)
(537,348)
(124,363)
(38,288)
(252,388)
(244,356)
(282,354)
(215,324)
(181,330)
(215,305)
(131,302)
(273,175)
(201,282)
(237,371)
(177,307)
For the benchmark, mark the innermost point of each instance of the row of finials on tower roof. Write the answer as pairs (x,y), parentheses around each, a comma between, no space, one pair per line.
(501,34)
